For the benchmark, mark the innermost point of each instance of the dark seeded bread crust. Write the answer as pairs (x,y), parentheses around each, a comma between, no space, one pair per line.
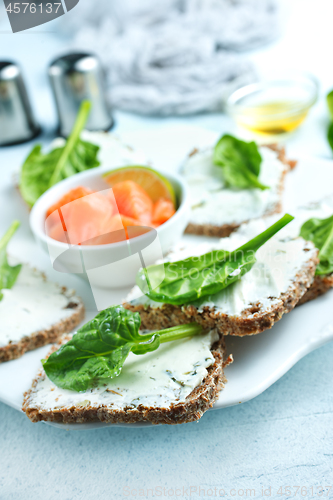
(226,229)
(43,337)
(251,321)
(214,231)
(320,285)
(197,402)
(281,154)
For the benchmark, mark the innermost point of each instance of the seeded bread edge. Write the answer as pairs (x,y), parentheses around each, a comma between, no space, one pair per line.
(197,402)
(320,286)
(251,321)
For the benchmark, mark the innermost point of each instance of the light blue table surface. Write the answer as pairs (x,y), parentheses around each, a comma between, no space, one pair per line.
(283,438)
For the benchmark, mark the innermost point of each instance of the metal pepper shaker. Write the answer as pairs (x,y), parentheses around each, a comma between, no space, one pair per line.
(17,122)
(74,78)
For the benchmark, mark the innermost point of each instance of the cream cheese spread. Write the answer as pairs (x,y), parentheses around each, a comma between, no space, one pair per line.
(321,210)
(32,305)
(213,203)
(278,263)
(155,379)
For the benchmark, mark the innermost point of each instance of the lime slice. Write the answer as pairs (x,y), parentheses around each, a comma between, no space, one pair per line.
(154,183)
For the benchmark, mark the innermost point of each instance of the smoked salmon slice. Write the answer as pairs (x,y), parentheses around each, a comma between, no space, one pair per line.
(118,231)
(162,211)
(52,215)
(73,194)
(83,219)
(133,201)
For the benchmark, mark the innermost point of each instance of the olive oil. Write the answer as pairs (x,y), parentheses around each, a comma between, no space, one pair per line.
(272,118)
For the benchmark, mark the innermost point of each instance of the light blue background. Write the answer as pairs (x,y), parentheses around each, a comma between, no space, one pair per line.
(282,438)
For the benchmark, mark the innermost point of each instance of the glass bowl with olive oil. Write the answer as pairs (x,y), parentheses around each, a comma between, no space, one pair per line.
(275,106)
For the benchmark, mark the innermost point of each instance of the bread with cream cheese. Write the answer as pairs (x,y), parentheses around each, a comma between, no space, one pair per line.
(214,209)
(35,312)
(45,402)
(283,273)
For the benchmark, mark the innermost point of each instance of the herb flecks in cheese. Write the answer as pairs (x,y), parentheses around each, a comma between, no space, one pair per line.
(155,379)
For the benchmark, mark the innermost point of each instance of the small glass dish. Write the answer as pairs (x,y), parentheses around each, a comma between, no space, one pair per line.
(273,106)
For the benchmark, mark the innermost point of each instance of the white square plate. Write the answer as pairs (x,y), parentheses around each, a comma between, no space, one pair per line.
(260,360)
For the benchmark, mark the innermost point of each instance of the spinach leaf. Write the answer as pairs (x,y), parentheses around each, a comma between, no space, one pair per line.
(187,280)
(320,232)
(240,162)
(8,274)
(41,171)
(329,100)
(330,135)
(99,349)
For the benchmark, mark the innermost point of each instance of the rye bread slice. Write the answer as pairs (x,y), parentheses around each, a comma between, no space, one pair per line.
(197,402)
(320,209)
(322,283)
(224,230)
(71,314)
(258,312)
(320,286)
(253,320)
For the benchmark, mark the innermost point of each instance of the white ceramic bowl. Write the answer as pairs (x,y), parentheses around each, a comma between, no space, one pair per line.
(114,265)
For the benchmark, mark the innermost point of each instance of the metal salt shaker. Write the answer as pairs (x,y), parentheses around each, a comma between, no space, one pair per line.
(17,122)
(74,78)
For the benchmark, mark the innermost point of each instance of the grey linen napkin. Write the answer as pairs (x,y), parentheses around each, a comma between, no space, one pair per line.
(173,56)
